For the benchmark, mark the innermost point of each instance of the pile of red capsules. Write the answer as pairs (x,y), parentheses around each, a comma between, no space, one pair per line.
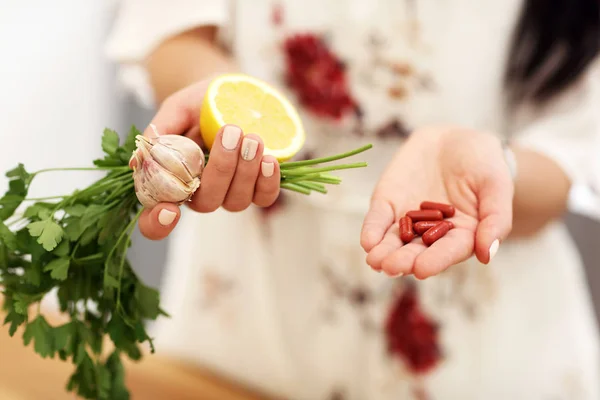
(428,222)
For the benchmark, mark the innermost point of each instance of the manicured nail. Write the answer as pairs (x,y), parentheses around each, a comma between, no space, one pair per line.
(494,248)
(267,169)
(231,137)
(249,147)
(166,217)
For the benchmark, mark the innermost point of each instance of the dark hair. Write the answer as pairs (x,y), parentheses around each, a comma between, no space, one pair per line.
(554,43)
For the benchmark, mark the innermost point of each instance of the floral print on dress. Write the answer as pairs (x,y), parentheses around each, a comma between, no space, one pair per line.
(317,76)
(411,334)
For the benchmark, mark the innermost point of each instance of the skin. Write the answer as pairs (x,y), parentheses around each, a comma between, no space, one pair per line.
(228,181)
(469,171)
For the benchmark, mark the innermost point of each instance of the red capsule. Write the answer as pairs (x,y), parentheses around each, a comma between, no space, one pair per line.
(436,233)
(423,226)
(447,210)
(406,229)
(425,215)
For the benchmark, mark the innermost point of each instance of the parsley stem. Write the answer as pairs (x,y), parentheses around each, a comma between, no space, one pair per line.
(45,198)
(127,231)
(97,256)
(294,187)
(293,172)
(295,164)
(117,168)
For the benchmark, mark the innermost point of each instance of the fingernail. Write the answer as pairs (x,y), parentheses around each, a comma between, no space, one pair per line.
(267,169)
(231,137)
(249,147)
(166,217)
(494,248)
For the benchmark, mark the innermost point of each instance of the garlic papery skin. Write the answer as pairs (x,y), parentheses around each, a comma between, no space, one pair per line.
(167,169)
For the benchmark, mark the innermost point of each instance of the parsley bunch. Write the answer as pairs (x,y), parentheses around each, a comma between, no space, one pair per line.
(76,245)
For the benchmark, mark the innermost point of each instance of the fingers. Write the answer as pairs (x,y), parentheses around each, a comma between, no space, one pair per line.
(237,174)
(390,242)
(241,191)
(267,185)
(378,220)
(455,247)
(157,223)
(495,216)
(219,171)
(179,112)
(402,260)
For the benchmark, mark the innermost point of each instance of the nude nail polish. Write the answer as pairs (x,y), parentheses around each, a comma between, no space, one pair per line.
(231,137)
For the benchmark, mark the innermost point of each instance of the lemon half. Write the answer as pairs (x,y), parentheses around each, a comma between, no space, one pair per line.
(256,107)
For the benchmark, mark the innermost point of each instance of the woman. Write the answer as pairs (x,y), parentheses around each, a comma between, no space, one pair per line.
(284,301)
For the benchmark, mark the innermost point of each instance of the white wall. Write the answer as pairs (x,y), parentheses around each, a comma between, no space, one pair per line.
(56,89)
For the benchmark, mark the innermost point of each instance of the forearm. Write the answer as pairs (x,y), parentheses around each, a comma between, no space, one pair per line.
(541,192)
(185,59)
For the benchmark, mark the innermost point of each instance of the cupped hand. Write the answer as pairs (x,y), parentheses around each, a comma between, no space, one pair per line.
(237,173)
(448,165)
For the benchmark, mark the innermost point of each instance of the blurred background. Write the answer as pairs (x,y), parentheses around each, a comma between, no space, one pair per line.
(58,93)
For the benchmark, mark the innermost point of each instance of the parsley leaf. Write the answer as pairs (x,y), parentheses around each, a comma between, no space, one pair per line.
(62,249)
(119,390)
(59,268)
(15,319)
(19,172)
(76,210)
(8,238)
(148,301)
(20,304)
(62,336)
(18,186)
(48,232)
(40,332)
(110,141)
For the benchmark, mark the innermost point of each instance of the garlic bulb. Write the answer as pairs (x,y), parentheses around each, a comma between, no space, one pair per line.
(167,169)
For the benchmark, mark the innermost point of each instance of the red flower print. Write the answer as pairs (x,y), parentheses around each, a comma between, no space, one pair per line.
(317,76)
(411,335)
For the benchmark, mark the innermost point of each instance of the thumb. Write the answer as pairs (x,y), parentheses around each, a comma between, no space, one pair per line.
(495,216)
(159,222)
(376,223)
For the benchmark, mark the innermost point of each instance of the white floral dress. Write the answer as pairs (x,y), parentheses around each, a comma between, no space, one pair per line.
(282,299)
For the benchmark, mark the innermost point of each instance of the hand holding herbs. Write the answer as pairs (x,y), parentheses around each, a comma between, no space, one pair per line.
(75,247)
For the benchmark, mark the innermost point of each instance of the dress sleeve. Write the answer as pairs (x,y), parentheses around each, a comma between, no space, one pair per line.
(568,131)
(141,25)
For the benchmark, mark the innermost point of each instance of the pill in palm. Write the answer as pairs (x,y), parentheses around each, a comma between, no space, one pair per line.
(436,233)
(425,215)
(407,233)
(421,227)
(447,210)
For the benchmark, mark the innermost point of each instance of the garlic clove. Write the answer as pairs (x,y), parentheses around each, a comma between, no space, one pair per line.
(171,160)
(142,193)
(163,185)
(192,155)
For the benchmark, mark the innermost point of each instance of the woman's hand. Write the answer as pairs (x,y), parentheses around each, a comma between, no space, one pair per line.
(464,168)
(236,175)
